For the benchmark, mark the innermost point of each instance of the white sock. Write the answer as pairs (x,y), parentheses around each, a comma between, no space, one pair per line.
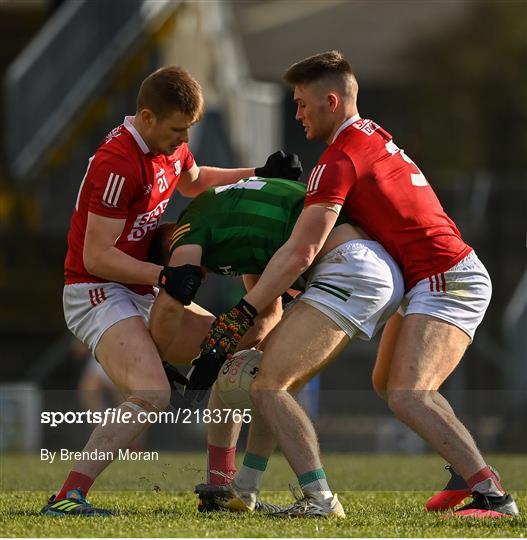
(488,487)
(251,472)
(248,479)
(315,484)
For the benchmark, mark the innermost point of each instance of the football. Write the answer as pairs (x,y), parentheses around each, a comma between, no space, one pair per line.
(235,378)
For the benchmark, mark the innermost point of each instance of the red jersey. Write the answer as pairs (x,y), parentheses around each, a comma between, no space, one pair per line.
(384,192)
(124,180)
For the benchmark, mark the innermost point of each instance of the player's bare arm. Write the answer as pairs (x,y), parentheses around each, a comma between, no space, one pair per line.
(266,320)
(197,179)
(278,165)
(103,259)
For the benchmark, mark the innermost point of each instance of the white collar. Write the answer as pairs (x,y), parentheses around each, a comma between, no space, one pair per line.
(344,125)
(135,134)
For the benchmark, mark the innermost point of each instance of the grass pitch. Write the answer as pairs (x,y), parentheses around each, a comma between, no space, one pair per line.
(383,496)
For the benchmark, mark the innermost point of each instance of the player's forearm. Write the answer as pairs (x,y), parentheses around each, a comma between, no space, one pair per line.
(214,176)
(115,265)
(263,325)
(280,273)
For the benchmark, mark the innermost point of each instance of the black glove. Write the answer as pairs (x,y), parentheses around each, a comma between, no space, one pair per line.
(181,282)
(228,328)
(203,374)
(219,345)
(281,165)
(174,378)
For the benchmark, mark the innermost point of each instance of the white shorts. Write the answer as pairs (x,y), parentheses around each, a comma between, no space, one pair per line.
(91,308)
(460,295)
(357,285)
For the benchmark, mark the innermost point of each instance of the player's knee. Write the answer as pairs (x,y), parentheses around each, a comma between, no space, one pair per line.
(398,400)
(396,405)
(404,402)
(157,393)
(161,399)
(262,386)
(268,380)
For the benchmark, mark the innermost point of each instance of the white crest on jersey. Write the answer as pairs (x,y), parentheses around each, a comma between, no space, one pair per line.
(113,190)
(314,178)
(242,184)
(177,167)
(366,126)
(114,133)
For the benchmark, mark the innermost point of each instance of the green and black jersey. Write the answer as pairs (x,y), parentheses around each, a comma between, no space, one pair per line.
(241,226)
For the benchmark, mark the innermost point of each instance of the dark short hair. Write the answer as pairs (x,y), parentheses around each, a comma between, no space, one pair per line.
(326,65)
(171,89)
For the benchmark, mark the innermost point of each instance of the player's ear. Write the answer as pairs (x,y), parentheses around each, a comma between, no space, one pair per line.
(333,101)
(147,117)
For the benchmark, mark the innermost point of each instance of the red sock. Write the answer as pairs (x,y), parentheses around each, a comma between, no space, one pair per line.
(483,475)
(223,461)
(75,480)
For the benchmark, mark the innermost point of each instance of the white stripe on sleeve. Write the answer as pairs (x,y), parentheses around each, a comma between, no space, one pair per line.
(114,185)
(110,181)
(116,198)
